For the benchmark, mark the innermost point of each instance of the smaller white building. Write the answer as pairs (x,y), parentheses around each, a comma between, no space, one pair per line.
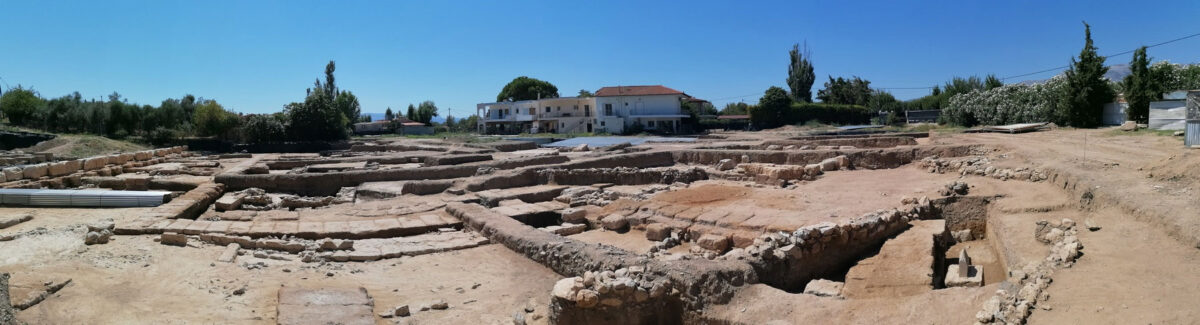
(613,110)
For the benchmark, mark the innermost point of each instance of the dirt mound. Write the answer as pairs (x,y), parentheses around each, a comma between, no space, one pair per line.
(79,146)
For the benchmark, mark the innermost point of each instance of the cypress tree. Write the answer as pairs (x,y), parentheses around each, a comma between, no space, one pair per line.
(800,74)
(1087,90)
(1138,90)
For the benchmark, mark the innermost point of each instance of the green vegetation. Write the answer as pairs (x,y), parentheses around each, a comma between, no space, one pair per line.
(526,88)
(800,74)
(1138,87)
(1087,91)
(855,91)
(776,108)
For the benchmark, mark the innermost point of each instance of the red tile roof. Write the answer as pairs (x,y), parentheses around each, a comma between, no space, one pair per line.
(637,91)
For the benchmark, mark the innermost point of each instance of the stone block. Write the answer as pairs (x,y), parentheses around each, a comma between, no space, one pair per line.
(658,231)
(230,253)
(173,239)
(230,201)
(713,242)
(615,222)
(824,288)
(35,171)
(567,229)
(974,277)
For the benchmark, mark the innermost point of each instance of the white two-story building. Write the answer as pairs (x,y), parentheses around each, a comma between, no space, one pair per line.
(612,110)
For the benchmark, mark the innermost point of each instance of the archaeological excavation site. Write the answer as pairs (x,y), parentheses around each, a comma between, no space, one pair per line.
(726,228)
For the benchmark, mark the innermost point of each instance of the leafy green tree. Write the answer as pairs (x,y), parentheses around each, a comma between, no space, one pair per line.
(586,93)
(468,124)
(265,128)
(318,118)
(526,88)
(800,74)
(20,105)
(1139,87)
(211,119)
(425,112)
(1087,90)
(772,108)
(845,91)
(412,113)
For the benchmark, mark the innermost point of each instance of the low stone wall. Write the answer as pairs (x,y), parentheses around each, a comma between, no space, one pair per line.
(790,260)
(620,176)
(7,314)
(699,282)
(62,168)
(191,204)
(529,176)
(860,158)
(455,159)
(867,142)
(505,145)
(862,135)
(394,158)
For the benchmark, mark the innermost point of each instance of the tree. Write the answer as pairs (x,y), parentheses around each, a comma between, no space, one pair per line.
(264,128)
(1139,87)
(468,124)
(449,123)
(772,108)
(992,82)
(845,91)
(211,119)
(738,108)
(800,74)
(526,88)
(1087,90)
(20,105)
(586,93)
(425,112)
(412,113)
(388,115)
(317,118)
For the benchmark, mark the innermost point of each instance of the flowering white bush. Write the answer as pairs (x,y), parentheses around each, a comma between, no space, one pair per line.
(1172,76)
(1008,104)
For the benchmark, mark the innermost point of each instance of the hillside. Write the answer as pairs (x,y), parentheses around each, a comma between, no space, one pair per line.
(77,146)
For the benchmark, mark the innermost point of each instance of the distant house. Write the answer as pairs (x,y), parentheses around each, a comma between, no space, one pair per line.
(612,109)
(400,125)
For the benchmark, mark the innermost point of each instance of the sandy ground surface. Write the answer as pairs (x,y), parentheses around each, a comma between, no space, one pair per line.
(1139,268)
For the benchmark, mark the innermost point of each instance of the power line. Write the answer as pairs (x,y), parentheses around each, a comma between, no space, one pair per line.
(1107,56)
(1010,77)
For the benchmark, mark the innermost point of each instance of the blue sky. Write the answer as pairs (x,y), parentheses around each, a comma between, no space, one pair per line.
(256,56)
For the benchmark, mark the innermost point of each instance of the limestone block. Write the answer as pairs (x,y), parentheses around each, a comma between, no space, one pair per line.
(13,174)
(824,288)
(974,277)
(35,171)
(614,222)
(230,253)
(658,231)
(713,242)
(174,239)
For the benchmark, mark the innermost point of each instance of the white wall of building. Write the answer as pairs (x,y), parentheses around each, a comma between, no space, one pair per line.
(626,110)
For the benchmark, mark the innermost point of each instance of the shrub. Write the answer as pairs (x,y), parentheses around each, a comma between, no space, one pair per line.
(828,113)
(1016,103)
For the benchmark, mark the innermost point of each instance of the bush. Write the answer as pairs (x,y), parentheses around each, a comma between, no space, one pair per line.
(164,136)
(262,128)
(1016,103)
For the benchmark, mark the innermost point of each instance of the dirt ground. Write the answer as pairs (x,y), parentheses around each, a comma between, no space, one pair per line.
(80,146)
(1139,267)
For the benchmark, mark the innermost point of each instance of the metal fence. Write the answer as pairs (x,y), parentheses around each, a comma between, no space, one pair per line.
(1191,136)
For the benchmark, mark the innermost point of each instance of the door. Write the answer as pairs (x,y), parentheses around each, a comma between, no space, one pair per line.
(589,128)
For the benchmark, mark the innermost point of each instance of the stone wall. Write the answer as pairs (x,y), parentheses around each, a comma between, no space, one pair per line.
(7,314)
(322,184)
(67,173)
(699,282)
(861,158)
(443,160)
(866,142)
(529,175)
(620,176)
(790,260)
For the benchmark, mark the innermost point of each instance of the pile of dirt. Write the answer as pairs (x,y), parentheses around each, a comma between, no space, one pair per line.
(79,146)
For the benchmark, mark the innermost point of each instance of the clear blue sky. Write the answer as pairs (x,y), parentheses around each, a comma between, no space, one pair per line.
(255,56)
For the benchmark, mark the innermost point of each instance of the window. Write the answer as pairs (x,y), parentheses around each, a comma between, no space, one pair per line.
(577,107)
(531,110)
(608,109)
(587,107)
(558,108)
(601,123)
(547,109)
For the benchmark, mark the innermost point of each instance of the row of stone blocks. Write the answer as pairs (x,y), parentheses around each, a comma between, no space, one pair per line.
(68,167)
(357,229)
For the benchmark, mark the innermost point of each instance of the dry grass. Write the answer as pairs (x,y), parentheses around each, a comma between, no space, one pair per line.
(79,146)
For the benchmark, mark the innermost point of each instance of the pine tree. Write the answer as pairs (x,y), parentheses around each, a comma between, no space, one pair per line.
(800,74)
(1138,89)
(1087,90)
